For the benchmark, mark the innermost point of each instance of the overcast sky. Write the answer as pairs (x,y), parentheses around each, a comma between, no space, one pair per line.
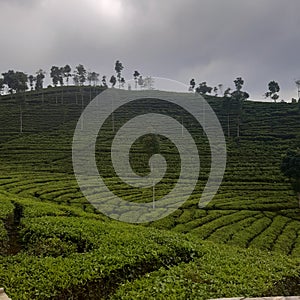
(209,40)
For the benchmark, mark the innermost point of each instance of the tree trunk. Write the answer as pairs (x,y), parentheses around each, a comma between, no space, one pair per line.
(228,125)
(81,92)
(21,119)
(238,127)
(62,95)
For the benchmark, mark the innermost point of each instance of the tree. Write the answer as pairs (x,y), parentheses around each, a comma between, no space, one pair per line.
(136,75)
(8,80)
(118,68)
(92,77)
(237,98)
(192,85)
(113,81)
(55,74)
(21,87)
(1,85)
(227,92)
(79,78)
(81,73)
(31,79)
(40,76)
(227,108)
(150,144)
(215,90)
(17,82)
(122,82)
(104,81)
(89,78)
(75,79)
(290,167)
(67,73)
(61,76)
(141,81)
(273,90)
(220,87)
(203,89)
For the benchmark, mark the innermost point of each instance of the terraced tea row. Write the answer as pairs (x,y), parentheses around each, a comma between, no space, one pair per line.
(66,252)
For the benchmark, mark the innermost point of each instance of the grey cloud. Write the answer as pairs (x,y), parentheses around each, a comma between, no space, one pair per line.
(210,40)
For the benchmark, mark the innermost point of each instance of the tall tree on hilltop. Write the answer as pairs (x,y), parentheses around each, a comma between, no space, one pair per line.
(192,85)
(1,85)
(61,76)
(95,78)
(89,78)
(136,75)
(40,76)
(118,68)
(113,81)
(39,82)
(17,83)
(9,79)
(122,83)
(104,84)
(273,90)
(81,73)
(67,73)
(55,74)
(141,81)
(238,97)
(92,77)
(215,90)
(227,108)
(31,80)
(61,82)
(21,87)
(203,89)
(220,87)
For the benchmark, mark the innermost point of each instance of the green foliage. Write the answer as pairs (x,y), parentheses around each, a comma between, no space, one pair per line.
(290,167)
(273,90)
(291,164)
(219,272)
(67,251)
(62,254)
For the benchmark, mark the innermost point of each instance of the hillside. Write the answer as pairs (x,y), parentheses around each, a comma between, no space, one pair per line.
(54,244)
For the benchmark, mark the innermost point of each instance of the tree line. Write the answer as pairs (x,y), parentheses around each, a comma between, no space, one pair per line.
(204,89)
(18,81)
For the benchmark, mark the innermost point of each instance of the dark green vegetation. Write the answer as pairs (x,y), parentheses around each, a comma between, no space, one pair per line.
(54,245)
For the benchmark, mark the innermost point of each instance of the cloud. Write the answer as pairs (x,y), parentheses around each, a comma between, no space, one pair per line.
(213,41)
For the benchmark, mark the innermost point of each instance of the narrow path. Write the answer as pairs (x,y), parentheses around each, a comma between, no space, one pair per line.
(12,224)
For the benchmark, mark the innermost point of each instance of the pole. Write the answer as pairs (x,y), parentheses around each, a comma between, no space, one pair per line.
(112,114)
(153,195)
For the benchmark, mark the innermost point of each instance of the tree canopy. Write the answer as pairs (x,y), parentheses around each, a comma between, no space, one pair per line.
(290,167)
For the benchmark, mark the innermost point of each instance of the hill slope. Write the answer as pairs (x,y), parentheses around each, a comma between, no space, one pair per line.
(55,244)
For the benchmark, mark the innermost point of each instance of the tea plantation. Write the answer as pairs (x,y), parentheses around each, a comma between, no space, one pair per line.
(55,245)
